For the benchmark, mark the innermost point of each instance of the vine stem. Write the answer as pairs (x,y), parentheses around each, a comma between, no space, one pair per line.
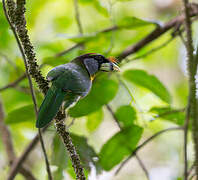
(192,104)
(30,83)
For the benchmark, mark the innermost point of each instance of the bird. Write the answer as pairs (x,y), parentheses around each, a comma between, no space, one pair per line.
(70,82)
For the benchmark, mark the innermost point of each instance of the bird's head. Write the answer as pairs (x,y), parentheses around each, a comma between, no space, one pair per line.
(96,62)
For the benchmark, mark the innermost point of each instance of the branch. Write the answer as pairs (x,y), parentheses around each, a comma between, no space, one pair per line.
(154,49)
(8,60)
(14,84)
(45,155)
(144,143)
(137,157)
(192,104)
(77,16)
(20,23)
(19,14)
(143,166)
(7,141)
(160,30)
(19,161)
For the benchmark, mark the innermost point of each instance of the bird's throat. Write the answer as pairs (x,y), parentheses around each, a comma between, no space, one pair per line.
(92,77)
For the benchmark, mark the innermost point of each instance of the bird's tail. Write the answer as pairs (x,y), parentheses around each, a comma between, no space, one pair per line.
(50,106)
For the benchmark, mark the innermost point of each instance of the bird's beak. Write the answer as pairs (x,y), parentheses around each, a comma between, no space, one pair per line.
(115,67)
(109,67)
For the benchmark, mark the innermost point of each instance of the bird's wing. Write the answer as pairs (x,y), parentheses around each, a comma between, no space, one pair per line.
(55,72)
(75,79)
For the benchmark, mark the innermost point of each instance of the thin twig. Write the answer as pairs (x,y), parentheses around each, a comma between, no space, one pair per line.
(19,161)
(19,10)
(13,84)
(138,158)
(43,85)
(77,16)
(8,60)
(154,49)
(143,166)
(160,30)
(192,176)
(192,105)
(7,141)
(190,170)
(144,143)
(156,33)
(45,155)
(62,53)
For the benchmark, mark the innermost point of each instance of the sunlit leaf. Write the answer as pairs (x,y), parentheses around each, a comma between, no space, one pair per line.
(176,116)
(22,114)
(97,5)
(103,91)
(119,146)
(102,10)
(94,119)
(132,22)
(126,115)
(142,78)
(4,30)
(55,61)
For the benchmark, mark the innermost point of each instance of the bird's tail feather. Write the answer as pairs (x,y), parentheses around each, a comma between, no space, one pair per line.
(50,106)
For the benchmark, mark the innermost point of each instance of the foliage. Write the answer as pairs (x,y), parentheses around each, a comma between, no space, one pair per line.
(119,146)
(156,82)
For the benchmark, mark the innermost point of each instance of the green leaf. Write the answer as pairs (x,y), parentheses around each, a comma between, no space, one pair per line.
(103,91)
(167,113)
(94,119)
(59,157)
(97,5)
(86,152)
(132,22)
(100,8)
(83,38)
(20,115)
(142,78)
(4,30)
(126,115)
(55,61)
(119,146)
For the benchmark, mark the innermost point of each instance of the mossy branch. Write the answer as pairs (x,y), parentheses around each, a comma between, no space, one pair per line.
(192,104)
(16,15)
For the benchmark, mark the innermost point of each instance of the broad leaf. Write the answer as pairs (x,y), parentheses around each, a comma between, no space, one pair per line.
(142,78)
(132,22)
(167,113)
(119,146)
(97,5)
(103,91)
(59,157)
(20,115)
(94,119)
(126,115)
(87,153)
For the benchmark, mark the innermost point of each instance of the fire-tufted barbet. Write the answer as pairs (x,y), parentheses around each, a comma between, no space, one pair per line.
(70,82)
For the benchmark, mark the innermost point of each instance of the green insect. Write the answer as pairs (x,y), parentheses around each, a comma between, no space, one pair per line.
(70,82)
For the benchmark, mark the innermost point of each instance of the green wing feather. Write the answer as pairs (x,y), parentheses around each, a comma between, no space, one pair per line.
(69,82)
(50,106)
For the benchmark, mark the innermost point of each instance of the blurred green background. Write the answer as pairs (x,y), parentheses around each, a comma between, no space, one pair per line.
(146,87)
